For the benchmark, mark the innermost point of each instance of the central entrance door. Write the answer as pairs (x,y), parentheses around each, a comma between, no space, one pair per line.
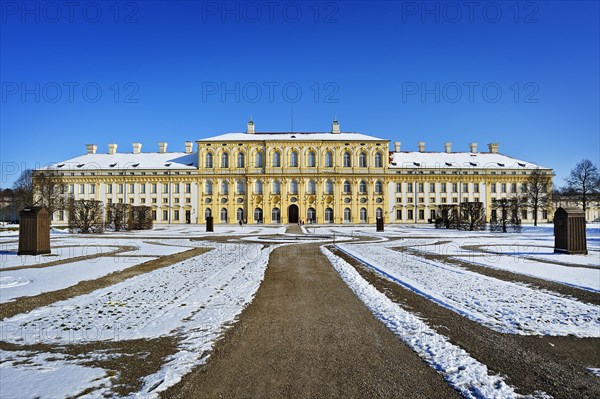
(293,214)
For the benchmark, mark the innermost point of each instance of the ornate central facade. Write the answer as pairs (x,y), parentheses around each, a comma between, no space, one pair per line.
(331,177)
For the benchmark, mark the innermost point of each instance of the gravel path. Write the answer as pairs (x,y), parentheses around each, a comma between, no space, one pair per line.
(307,335)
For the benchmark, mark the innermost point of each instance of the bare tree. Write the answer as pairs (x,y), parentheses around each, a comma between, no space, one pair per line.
(140,218)
(536,195)
(471,216)
(446,216)
(85,215)
(117,216)
(505,212)
(23,191)
(583,181)
(49,190)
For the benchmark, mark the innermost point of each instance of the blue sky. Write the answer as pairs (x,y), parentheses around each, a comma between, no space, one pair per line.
(524,74)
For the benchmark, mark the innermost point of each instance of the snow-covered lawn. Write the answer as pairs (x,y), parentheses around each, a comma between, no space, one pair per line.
(62,251)
(501,305)
(192,299)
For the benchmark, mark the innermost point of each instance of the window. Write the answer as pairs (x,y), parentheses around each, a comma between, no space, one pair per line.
(82,189)
(208,160)
(475,187)
(524,187)
(311,159)
(293,187)
(421,188)
(240,160)
(347,215)
(503,187)
(142,188)
(398,214)
(328,187)
(493,188)
(409,199)
(363,215)
(239,215)
(165,216)
(188,200)
(276,215)
(120,189)
(165,188)
(421,214)
(154,200)
(329,159)
(544,214)
(165,200)
(398,187)
(110,201)
(294,159)
(378,187)
(241,187)
(443,187)
(176,199)
(258,160)
(224,187)
(410,214)
(362,159)
(276,187)
(176,188)
(176,214)
(347,187)
(92,189)
(513,188)
(154,215)
(443,200)
(223,215)
(432,187)
(153,188)
(398,200)
(258,215)
(523,214)
(276,159)
(224,160)
(328,215)
(208,187)
(311,215)
(188,188)
(347,159)
(409,187)
(61,215)
(465,187)
(258,187)
(378,160)
(311,188)
(421,200)
(362,187)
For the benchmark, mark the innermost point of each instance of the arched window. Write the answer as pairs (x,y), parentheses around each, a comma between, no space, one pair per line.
(276,187)
(208,187)
(328,215)
(329,159)
(328,187)
(347,159)
(293,187)
(347,215)
(207,213)
(311,188)
(276,215)
(378,160)
(208,160)
(224,215)
(224,160)
(258,187)
(311,215)
(378,187)
(224,187)
(259,159)
(240,160)
(378,213)
(258,215)
(362,187)
(239,214)
(276,159)
(294,159)
(311,159)
(241,187)
(362,159)
(347,187)
(363,215)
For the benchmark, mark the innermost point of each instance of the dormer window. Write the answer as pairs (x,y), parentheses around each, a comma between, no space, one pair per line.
(448,163)
(80,165)
(417,163)
(112,165)
(60,165)
(135,165)
(472,163)
(500,164)
(168,164)
(522,164)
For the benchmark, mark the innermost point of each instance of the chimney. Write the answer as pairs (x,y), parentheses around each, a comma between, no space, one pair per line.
(397,146)
(137,148)
(189,147)
(91,148)
(448,147)
(493,148)
(112,149)
(250,128)
(335,126)
(473,147)
(162,147)
(421,146)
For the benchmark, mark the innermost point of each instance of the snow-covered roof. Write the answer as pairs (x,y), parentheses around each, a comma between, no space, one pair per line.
(144,160)
(289,136)
(485,160)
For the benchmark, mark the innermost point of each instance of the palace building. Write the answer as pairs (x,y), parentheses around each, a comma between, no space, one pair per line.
(290,177)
